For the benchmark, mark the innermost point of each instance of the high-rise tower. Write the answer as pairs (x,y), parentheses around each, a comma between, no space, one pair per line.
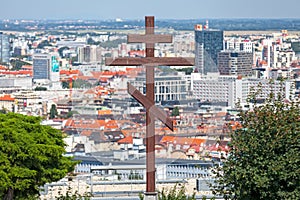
(4,48)
(41,66)
(89,54)
(46,67)
(235,63)
(208,43)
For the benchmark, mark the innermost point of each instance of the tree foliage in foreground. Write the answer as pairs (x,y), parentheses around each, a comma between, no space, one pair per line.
(265,154)
(175,193)
(73,196)
(30,156)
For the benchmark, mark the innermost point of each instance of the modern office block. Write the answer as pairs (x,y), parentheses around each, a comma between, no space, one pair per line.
(208,43)
(235,63)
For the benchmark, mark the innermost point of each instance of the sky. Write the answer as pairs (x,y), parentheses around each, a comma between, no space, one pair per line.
(137,9)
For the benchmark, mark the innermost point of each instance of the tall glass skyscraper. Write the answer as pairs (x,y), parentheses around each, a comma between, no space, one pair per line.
(4,48)
(41,66)
(208,43)
(46,66)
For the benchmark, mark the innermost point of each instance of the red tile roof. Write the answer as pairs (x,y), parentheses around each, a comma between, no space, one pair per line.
(137,53)
(69,72)
(86,132)
(27,67)
(126,140)
(3,67)
(20,72)
(217,148)
(6,97)
(181,140)
(91,124)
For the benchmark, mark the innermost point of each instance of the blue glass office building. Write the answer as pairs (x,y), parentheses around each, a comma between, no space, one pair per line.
(208,43)
(41,66)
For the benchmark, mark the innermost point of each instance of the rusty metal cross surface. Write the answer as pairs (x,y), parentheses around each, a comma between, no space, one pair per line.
(148,101)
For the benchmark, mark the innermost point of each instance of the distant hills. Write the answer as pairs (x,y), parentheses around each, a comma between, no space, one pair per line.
(223,24)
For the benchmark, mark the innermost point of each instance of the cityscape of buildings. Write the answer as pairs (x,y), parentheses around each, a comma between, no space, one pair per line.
(106,126)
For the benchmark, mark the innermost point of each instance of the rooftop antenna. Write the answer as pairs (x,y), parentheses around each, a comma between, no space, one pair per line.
(206,25)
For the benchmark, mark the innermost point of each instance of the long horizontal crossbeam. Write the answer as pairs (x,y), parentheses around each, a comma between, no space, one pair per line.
(150,61)
(150,38)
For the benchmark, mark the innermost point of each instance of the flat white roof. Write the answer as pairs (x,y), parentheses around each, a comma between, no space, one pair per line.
(118,167)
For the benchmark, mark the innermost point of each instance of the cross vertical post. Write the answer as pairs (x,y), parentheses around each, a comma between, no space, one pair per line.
(148,100)
(150,118)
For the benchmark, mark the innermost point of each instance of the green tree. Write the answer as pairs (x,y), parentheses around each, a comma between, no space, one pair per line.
(43,44)
(65,84)
(3,110)
(40,88)
(53,111)
(74,196)
(175,112)
(60,51)
(134,176)
(17,64)
(264,159)
(90,41)
(187,70)
(71,113)
(111,43)
(80,83)
(175,193)
(30,156)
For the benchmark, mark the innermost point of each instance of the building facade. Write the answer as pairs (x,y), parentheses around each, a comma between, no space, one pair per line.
(238,44)
(208,43)
(41,66)
(46,67)
(7,102)
(4,48)
(169,86)
(284,58)
(16,82)
(235,63)
(218,89)
(89,54)
(230,90)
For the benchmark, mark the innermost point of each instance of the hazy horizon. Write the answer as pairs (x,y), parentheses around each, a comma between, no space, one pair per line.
(136,9)
(143,17)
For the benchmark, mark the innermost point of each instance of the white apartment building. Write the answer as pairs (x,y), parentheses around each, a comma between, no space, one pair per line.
(169,86)
(284,58)
(7,102)
(89,54)
(238,44)
(231,90)
(215,89)
(16,82)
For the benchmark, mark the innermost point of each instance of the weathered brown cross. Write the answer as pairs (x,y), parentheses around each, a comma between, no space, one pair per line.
(148,101)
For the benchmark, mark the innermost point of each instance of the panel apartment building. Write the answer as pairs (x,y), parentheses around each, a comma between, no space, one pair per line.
(229,90)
